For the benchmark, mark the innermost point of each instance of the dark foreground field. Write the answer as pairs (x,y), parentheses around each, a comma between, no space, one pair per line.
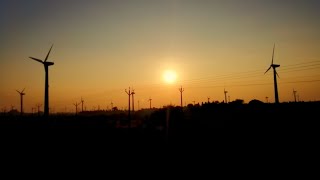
(211,122)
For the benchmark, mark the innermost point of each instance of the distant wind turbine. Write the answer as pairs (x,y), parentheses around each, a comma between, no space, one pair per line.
(76,105)
(295,95)
(21,99)
(275,74)
(225,95)
(46,65)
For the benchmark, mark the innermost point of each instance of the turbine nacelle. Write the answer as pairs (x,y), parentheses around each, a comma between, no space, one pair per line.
(21,92)
(272,65)
(275,65)
(48,63)
(45,62)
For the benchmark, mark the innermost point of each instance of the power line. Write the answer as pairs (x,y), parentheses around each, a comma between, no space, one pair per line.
(218,78)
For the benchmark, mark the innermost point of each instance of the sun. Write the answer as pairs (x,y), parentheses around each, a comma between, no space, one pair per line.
(169,76)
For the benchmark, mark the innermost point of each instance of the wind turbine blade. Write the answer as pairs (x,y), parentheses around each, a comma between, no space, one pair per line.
(36,59)
(23,90)
(273,53)
(48,53)
(277,74)
(267,70)
(18,91)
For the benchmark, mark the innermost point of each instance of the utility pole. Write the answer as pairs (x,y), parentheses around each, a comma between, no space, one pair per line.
(294,95)
(150,102)
(132,93)
(267,99)
(76,104)
(228,98)
(181,90)
(82,101)
(208,100)
(129,93)
(225,95)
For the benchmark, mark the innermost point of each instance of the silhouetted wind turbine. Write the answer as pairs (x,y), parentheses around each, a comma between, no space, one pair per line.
(225,95)
(150,102)
(46,65)
(21,99)
(132,94)
(275,74)
(76,105)
(82,101)
(129,117)
(294,95)
(181,91)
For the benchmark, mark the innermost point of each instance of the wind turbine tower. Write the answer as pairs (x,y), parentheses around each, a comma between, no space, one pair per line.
(150,102)
(76,105)
(295,95)
(82,101)
(129,94)
(21,100)
(225,95)
(275,74)
(46,65)
(133,93)
(181,91)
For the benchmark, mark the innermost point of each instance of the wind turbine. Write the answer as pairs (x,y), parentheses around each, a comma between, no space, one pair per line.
(21,99)
(46,65)
(225,95)
(275,74)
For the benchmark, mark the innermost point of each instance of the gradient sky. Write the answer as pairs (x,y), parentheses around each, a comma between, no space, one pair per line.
(103,47)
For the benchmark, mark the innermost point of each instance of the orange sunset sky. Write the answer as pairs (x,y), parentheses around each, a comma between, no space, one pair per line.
(103,47)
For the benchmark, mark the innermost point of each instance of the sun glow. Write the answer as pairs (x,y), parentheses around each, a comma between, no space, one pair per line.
(169,76)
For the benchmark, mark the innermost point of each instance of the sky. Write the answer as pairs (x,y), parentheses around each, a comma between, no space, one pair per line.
(103,47)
